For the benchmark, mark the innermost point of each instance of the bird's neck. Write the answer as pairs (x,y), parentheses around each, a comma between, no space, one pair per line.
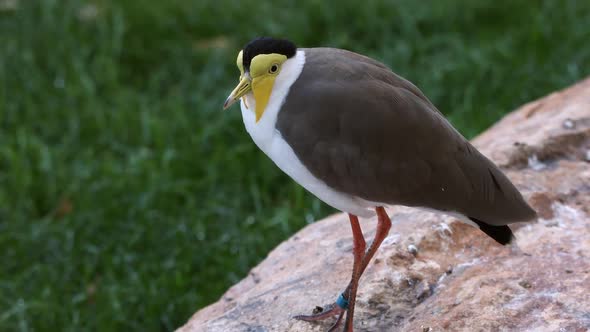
(263,130)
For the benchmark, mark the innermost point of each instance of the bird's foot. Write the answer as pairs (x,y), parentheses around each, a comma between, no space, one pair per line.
(337,308)
(321,313)
(326,312)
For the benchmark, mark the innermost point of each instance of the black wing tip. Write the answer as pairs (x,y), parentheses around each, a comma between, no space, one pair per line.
(501,234)
(532,214)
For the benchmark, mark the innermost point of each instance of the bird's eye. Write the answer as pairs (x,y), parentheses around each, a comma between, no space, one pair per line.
(273,69)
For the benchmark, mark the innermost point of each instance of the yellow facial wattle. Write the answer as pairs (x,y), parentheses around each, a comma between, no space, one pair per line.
(240,63)
(262,89)
(264,70)
(259,79)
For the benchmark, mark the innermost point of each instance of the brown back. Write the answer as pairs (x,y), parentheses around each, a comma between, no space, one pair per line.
(367,132)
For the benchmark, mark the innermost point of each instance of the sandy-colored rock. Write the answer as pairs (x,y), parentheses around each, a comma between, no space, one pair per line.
(459,280)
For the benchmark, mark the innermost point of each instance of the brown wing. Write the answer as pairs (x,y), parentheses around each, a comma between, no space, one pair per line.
(368,132)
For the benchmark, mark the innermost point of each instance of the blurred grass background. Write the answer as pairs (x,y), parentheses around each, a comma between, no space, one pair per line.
(128,199)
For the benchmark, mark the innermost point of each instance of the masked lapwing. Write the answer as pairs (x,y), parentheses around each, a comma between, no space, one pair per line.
(360,137)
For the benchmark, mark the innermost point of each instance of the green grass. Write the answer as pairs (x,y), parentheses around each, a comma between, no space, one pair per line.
(128,199)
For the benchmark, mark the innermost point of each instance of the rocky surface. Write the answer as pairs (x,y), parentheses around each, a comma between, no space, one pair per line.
(436,274)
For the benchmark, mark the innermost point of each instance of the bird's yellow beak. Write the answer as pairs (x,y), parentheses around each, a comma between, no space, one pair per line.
(243,87)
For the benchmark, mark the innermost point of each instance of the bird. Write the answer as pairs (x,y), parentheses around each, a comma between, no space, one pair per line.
(361,138)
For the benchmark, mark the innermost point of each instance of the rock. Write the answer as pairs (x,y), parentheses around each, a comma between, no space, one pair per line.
(456,278)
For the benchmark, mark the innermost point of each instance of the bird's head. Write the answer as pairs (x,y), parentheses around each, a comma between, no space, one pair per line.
(260,63)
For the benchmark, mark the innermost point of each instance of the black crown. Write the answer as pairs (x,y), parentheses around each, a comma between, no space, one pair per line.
(266,45)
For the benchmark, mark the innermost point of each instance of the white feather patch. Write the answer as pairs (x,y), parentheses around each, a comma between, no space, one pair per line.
(270,141)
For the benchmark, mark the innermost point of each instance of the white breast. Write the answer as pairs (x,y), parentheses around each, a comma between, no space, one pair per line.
(270,141)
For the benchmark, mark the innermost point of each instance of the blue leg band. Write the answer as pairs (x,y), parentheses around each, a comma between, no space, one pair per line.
(342,302)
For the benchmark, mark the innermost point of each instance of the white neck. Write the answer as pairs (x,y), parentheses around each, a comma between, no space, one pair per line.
(263,130)
(270,141)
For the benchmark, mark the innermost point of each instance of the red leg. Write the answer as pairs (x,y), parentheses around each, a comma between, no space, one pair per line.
(358,251)
(383,227)
(359,265)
